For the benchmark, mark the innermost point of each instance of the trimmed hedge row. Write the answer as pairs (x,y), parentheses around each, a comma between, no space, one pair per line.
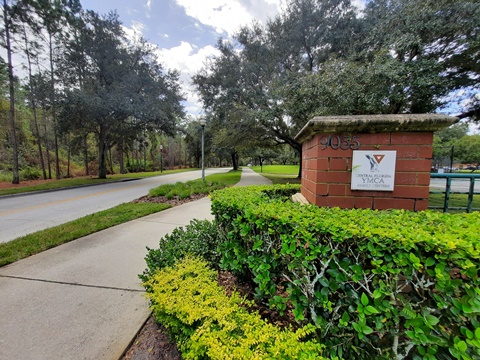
(207,324)
(377,284)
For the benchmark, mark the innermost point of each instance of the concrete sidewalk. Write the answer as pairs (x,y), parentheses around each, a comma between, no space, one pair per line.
(83,299)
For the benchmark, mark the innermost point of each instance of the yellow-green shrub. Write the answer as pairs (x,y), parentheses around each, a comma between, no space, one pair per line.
(208,324)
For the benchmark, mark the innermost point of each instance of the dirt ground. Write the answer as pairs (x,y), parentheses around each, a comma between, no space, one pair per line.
(152,343)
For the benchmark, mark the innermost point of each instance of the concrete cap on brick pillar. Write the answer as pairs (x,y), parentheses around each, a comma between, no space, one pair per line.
(374,124)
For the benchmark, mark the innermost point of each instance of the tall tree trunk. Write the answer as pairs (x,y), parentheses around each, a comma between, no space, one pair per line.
(68,156)
(13,132)
(120,157)
(85,155)
(46,147)
(129,165)
(54,108)
(235,160)
(110,160)
(102,153)
(34,105)
(144,157)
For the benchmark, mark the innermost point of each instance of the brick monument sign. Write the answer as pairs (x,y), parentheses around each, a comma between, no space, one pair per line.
(369,161)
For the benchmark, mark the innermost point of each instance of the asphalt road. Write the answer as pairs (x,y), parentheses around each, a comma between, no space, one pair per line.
(28,213)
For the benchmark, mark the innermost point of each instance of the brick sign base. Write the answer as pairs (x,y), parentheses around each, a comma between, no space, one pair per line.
(327,149)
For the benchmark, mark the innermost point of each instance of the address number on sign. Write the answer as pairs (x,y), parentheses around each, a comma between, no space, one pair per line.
(344,142)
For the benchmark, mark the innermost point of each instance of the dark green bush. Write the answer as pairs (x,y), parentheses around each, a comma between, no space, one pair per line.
(378,284)
(185,189)
(199,238)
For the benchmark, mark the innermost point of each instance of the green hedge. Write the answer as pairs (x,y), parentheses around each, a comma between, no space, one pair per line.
(207,324)
(200,238)
(377,284)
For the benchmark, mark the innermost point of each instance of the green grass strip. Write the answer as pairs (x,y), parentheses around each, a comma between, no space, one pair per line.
(276,169)
(82,181)
(456,200)
(45,239)
(185,189)
(279,174)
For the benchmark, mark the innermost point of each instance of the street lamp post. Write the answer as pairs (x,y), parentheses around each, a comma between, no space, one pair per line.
(161,159)
(202,124)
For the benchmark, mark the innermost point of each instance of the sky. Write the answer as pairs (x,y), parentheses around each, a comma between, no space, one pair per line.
(186,31)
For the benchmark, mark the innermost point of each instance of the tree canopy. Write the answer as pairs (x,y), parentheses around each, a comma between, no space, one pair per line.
(85,77)
(329,58)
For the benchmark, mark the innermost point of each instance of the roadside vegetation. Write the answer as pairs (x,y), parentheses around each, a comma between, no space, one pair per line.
(45,239)
(82,181)
(183,190)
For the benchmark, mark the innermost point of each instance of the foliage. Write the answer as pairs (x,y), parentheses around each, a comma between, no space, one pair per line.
(207,324)
(447,138)
(328,58)
(184,190)
(45,239)
(468,149)
(391,284)
(199,238)
(452,133)
(125,89)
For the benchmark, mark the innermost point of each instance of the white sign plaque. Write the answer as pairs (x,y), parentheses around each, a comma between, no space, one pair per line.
(373,170)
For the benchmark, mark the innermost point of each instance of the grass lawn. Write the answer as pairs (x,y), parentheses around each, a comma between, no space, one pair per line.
(279,174)
(45,239)
(456,200)
(277,169)
(81,181)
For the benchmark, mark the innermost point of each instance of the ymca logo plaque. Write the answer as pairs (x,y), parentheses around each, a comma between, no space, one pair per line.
(373,170)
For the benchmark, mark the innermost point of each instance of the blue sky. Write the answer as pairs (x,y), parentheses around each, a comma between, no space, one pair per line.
(186,31)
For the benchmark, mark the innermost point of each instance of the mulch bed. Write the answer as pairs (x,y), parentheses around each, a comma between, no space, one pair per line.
(174,202)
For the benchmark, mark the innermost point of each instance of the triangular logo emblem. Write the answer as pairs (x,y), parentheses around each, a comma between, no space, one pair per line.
(379,158)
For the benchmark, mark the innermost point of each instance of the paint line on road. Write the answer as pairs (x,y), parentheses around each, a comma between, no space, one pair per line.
(35,207)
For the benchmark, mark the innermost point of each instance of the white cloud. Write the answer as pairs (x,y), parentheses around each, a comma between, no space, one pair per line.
(262,9)
(228,16)
(136,30)
(187,60)
(148,7)
(138,27)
